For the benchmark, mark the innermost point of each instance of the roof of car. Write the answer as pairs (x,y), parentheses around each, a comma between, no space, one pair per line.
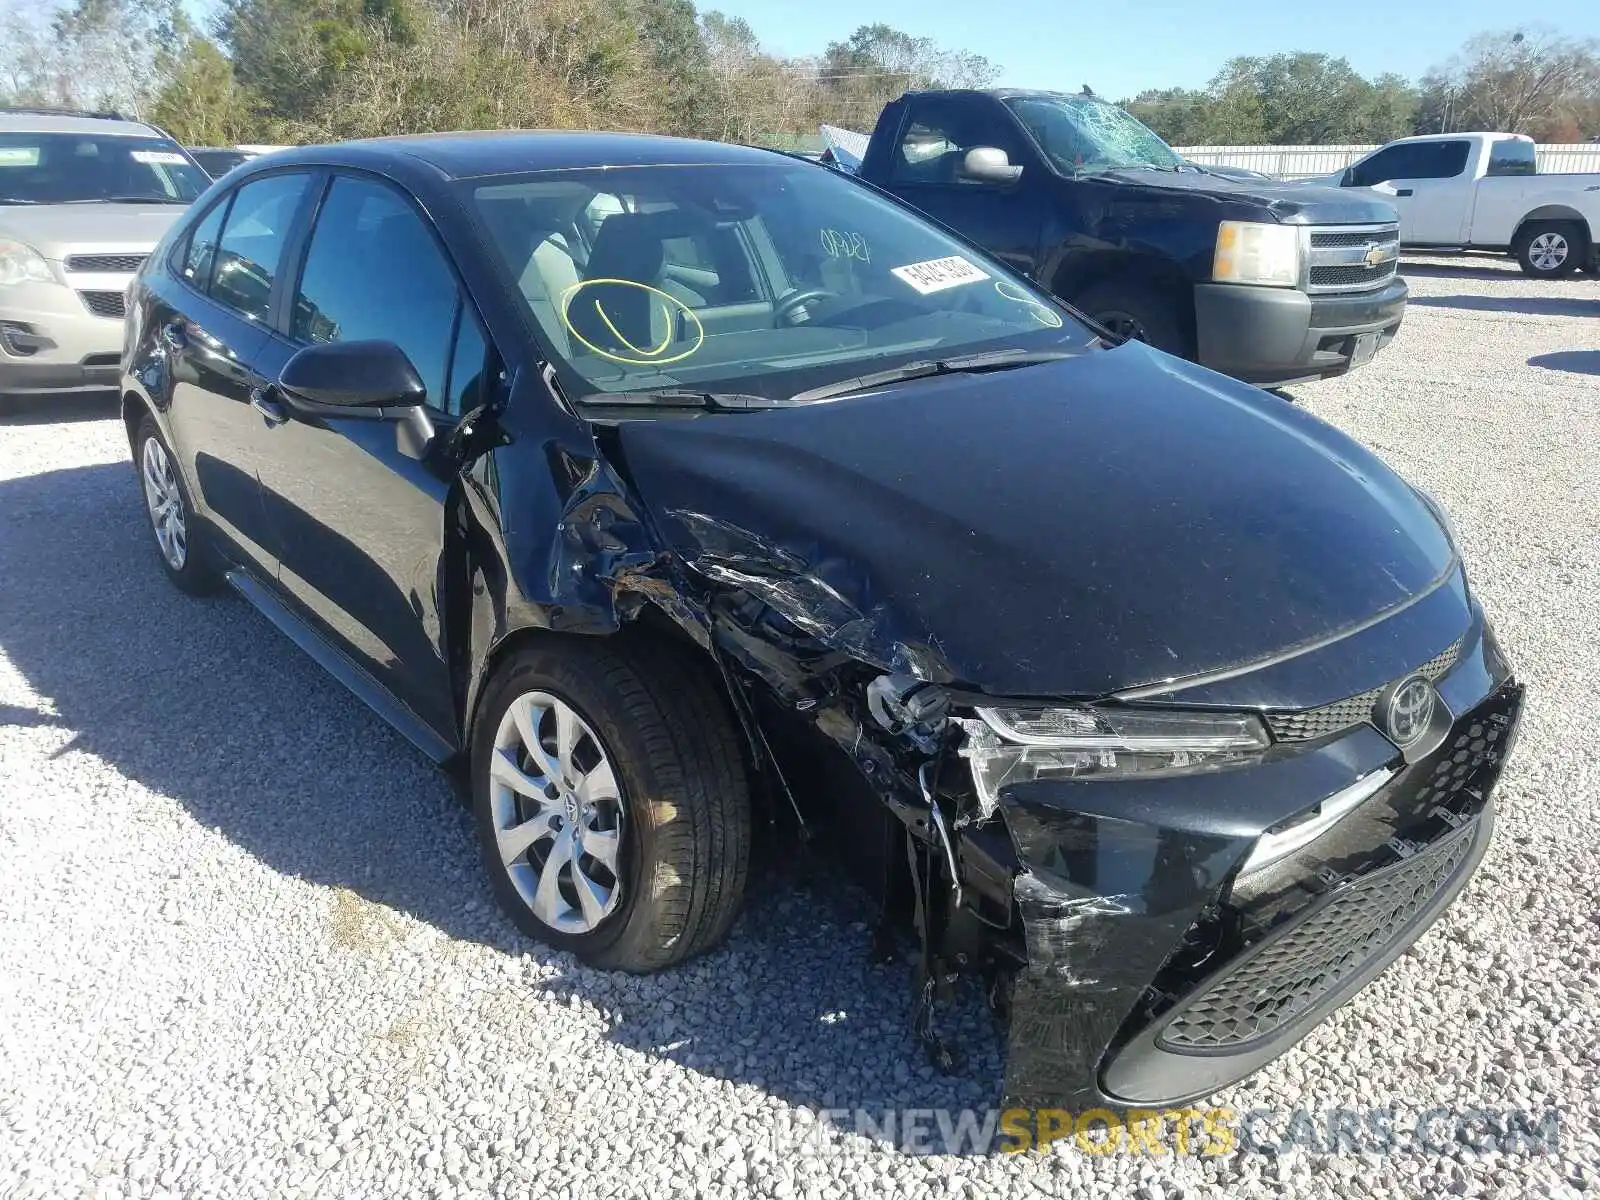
(22,121)
(501,152)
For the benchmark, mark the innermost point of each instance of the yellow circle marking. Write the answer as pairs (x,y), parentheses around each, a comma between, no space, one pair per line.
(1047,317)
(645,358)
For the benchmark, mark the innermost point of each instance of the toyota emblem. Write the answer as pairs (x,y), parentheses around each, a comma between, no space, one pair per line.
(1410,711)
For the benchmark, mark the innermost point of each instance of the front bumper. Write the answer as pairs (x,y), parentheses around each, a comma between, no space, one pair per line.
(1156,974)
(51,341)
(1273,336)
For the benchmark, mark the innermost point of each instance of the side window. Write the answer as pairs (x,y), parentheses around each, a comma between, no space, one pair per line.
(201,252)
(1512,156)
(469,359)
(252,241)
(937,138)
(374,270)
(1445,160)
(1394,163)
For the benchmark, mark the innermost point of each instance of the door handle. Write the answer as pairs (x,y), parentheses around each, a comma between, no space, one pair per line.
(270,407)
(1402,191)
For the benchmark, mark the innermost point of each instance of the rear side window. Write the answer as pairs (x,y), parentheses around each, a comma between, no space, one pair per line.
(374,270)
(1512,156)
(251,246)
(202,251)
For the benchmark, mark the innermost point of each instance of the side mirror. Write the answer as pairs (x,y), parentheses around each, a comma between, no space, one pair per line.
(989,164)
(371,381)
(353,375)
(1348,179)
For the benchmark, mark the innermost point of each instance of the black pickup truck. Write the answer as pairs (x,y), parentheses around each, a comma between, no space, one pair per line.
(1268,282)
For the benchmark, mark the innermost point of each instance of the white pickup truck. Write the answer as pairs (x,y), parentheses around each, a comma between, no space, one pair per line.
(1482,191)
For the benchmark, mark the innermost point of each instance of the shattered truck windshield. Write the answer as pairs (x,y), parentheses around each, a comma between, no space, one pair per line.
(775,282)
(1082,135)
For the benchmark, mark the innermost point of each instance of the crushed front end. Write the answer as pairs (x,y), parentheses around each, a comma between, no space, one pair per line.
(1179,929)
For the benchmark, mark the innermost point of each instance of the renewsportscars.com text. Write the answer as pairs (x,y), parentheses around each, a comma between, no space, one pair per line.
(1178,1131)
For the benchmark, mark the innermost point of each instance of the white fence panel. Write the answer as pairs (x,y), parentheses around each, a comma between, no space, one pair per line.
(1300,162)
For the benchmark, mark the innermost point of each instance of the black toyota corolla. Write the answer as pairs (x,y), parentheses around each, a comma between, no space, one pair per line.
(681,496)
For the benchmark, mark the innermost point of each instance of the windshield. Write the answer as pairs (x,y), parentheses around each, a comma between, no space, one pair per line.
(77,168)
(765,279)
(1082,135)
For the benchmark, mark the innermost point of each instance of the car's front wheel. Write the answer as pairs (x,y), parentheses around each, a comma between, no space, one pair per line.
(179,539)
(1137,311)
(612,806)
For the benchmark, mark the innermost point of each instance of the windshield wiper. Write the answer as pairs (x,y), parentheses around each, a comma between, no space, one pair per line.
(993,360)
(125,200)
(681,398)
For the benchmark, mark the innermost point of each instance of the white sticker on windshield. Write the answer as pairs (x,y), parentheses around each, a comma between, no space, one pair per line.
(19,156)
(162,158)
(939,273)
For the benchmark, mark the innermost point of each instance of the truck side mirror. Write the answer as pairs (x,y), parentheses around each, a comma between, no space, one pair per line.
(989,164)
(1348,179)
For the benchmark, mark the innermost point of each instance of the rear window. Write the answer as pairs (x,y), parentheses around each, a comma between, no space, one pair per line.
(1512,156)
(73,168)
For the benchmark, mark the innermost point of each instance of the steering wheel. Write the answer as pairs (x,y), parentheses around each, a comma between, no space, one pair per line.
(783,312)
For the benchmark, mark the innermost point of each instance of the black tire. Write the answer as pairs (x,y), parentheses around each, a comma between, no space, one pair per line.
(664,725)
(1141,311)
(1550,249)
(197,574)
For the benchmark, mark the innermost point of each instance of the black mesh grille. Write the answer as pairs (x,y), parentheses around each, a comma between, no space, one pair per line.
(1342,714)
(1301,965)
(104,304)
(1352,276)
(104,262)
(1332,238)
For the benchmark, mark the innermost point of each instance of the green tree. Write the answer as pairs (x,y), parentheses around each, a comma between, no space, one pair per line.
(678,55)
(201,103)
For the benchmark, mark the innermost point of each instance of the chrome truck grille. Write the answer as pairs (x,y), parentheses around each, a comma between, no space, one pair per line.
(1350,258)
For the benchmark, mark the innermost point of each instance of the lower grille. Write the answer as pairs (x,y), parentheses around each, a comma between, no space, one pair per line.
(1293,971)
(104,304)
(1352,277)
(104,262)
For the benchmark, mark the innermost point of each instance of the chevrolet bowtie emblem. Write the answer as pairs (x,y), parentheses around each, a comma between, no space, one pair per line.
(1378,255)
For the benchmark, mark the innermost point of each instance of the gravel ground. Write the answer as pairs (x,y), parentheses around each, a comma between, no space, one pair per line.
(245,949)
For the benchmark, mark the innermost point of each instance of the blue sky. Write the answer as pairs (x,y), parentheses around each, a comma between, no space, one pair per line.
(1169,43)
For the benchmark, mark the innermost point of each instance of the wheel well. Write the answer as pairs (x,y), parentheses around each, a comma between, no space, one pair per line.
(1078,274)
(650,623)
(1553,212)
(134,410)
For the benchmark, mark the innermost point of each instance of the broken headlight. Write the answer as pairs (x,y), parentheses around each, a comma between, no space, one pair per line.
(1017,745)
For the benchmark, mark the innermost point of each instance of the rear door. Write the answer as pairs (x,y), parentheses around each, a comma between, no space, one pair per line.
(926,171)
(212,330)
(360,523)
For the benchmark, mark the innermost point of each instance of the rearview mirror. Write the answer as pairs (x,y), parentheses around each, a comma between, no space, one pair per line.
(370,374)
(990,164)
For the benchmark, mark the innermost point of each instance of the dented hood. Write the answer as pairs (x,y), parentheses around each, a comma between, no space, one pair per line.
(1070,529)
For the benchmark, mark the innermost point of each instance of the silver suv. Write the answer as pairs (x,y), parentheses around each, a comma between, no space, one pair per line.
(83,199)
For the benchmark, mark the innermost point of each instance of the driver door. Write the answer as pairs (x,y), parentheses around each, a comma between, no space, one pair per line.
(1006,219)
(361,523)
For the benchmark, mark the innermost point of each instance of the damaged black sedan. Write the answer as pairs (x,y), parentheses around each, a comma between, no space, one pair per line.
(682,496)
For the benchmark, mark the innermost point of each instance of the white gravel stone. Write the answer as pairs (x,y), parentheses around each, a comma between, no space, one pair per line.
(246,949)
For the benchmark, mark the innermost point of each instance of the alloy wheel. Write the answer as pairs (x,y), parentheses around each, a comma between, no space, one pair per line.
(1548,251)
(558,813)
(164,501)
